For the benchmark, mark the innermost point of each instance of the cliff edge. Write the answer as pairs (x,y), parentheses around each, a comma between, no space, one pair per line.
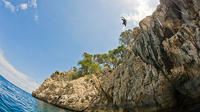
(161,72)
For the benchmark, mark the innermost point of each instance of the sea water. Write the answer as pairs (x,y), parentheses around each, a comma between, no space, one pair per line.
(14,99)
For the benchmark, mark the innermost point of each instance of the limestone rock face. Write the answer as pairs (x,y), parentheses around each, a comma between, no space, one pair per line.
(75,95)
(161,71)
(168,52)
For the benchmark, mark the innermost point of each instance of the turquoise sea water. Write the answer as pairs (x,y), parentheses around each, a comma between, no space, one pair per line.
(14,99)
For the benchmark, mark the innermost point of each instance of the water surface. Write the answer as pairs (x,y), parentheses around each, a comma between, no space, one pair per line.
(14,99)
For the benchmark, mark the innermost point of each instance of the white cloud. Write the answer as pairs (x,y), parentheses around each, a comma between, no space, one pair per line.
(9,5)
(32,3)
(138,9)
(23,6)
(16,77)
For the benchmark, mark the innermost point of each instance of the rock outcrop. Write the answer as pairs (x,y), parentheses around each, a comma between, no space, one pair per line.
(160,73)
(77,95)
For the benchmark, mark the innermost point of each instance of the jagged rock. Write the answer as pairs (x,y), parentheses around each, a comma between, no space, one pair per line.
(75,95)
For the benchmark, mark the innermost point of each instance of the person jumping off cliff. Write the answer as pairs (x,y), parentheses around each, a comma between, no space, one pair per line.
(124,21)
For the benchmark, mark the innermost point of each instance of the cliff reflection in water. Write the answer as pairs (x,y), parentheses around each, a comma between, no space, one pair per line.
(44,107)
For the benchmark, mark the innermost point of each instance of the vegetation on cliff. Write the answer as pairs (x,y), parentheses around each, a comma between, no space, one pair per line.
(94,63)
(87,65)
(91,64)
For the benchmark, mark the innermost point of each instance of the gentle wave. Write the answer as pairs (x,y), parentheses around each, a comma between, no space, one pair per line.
(14,99)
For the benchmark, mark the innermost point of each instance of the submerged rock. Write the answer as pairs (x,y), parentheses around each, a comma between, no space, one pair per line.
(160,73)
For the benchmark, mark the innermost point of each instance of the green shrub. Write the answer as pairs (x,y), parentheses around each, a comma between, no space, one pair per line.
(57,72)
(87,65)
(73,76)
(75,69)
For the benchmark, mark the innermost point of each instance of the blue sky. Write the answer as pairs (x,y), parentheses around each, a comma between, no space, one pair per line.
(38,37)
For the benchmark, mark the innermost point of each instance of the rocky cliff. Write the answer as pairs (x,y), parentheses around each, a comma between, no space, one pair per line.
(161,72)
(77,95)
